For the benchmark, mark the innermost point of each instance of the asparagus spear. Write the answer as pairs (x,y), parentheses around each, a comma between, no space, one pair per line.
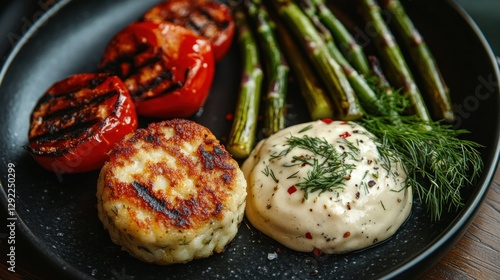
(276,69)
(398,71)
(242,135)
(363,90)
(336,83)
(352,49)
(317,101)
(311,12)
(433,82)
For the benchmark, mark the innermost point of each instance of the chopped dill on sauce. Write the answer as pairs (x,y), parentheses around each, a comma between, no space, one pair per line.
(269,172)
(329,169)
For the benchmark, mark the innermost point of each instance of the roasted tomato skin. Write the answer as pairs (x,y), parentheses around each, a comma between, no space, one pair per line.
(78,120)
(167,68)
(207,18)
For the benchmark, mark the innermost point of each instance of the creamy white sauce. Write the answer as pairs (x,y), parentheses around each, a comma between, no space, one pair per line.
(369,205)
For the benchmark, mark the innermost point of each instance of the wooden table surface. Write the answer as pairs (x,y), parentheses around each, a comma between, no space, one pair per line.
(475,256)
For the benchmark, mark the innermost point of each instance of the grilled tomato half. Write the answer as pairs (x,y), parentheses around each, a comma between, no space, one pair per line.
(167,68)
(78,120)
(208,18)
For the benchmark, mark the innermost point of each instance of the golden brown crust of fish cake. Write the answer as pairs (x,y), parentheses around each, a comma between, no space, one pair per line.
(166,185)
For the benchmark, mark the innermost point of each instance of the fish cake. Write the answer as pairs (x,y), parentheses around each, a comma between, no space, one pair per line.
(171,193)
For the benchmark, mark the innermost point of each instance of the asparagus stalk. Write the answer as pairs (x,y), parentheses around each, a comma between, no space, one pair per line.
(276,69)
(345,100)
(348,44)
(311,89)
(433,81)
(242,135)
(363,90)
(311,12)
(398,71)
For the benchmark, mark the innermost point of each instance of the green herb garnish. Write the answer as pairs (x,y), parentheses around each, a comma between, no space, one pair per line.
(269,172)
(329,169)
(438,161)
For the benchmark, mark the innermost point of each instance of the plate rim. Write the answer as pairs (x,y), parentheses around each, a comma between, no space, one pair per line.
(57,262)
(461,223)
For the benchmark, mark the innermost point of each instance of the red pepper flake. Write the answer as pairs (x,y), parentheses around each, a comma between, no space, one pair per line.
(317,252)
(345,122)
(344,135)
(327,121)
(347,234)
(229,117)
(292,189)
(309,235)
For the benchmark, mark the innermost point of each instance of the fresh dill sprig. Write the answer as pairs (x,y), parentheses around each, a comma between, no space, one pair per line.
(328,167)
(309,127)
(269,172)
(431,151)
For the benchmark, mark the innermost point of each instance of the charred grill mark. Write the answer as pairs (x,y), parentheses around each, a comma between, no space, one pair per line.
(196,18)
(148,62)
(226,177)
(165,76)
(74,104)
(93,83)
(71,111)
(150,138)
(193,26)
(186,73)
(220,24)
(68,123)
(130,59)
(200,20)
(54,134)
(215,158)
(135,65)
(218,208)
(90,84)
(158,205)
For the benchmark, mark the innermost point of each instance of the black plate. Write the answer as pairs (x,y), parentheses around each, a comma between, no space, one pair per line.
(58,214)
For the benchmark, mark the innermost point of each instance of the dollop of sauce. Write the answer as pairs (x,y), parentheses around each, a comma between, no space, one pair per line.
(325,186)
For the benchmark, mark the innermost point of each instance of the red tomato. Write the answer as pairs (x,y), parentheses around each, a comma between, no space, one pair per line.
(207,18)
(167,68)
(78,120)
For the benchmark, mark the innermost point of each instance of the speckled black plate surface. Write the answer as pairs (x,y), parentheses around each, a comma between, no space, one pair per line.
(58,214)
